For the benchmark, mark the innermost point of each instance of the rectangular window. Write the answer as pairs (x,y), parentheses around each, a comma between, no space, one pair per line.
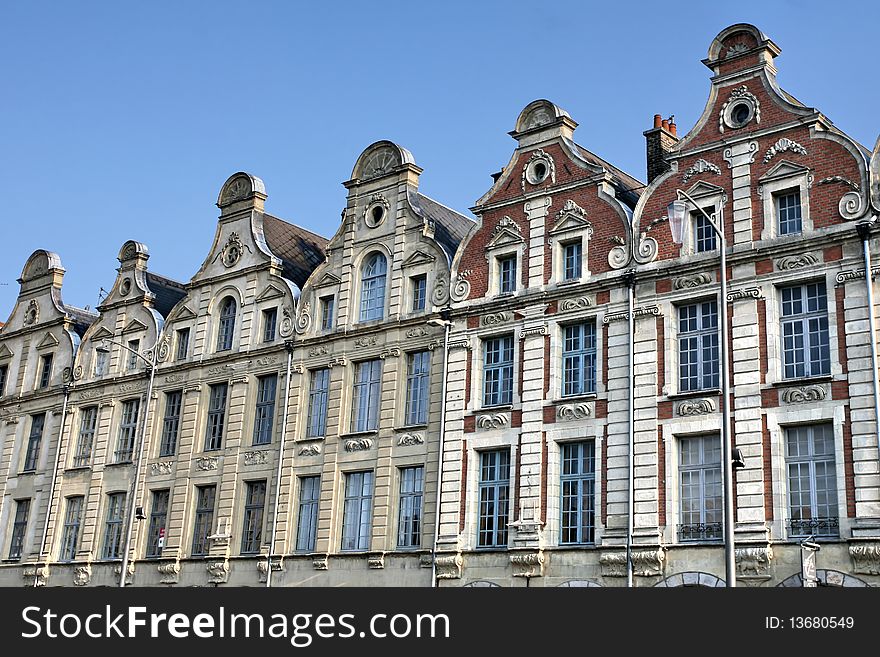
(182,344)
(579,359)
(578,484)
(265,412)
(358,510)
(4,371)
(158,518)
(507,274)
(698,359)
(87,425)
(19,528)
(113,526)
(805,331)
(127,431)
(45,370)
(216,416)
(270,318)
(419,292)
(812,482)
(417,380)
(171,423)
(494,498)
(409,519)
(134,347)
(367,388)
(252,530)
(317,420)
(70,534)
(102,360)
(307,519)
(34,440)
(704,233)
(204,520)
(498,371)
(327,304)
(572,263)
(788,209)
(700,488)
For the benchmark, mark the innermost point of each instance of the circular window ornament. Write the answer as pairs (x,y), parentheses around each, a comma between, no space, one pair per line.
(376,211)
(538,169)
(740,109)
(32,314)
(125,287)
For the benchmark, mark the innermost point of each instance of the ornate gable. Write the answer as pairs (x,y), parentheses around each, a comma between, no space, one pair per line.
(571,217)
(507,232)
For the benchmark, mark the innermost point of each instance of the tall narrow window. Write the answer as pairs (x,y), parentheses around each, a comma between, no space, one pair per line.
(419,292)
(572,263)
(417,379)
(171,423)
(494,498)
(373,277)
(34,439)
(127,431)
(498,371)
(578,485)
(700,488)
(19,528)
(265,409)
(4,372)
(102,361)
(507,274)
(70,534)
(805,347)
(358,510)
(252,531)
(317,420)
(45,370)
(113,526)
(158,519)
(134,347)
(226,326)
(204,519)
(270,318)
(812,482)
(704,233)
(182,344)
(87,424)
(788,209)
(327,311)
(409,520)
(579,359)
(367,388)
(698,346)
(216,416)
(307,519)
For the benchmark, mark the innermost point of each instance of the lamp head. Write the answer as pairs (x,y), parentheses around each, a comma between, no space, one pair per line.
(738,461)
(103,347)
(676,211)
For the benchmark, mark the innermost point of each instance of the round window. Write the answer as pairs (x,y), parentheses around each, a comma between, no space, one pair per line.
(538,172)
(741,114)
(375,212)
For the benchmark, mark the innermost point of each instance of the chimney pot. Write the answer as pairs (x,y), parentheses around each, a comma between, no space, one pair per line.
(656,120)
(665,124)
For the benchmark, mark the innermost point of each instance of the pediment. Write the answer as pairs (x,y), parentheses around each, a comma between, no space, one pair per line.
(570,218)
(785,169)
(419,258)
(48,341)
(183,313)
(327,280)
(101,334)
(702,189)
(134,326)
(506,232)
(271,292)
(4,352)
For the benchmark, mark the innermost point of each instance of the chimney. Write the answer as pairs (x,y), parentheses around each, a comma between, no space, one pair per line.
(660,140)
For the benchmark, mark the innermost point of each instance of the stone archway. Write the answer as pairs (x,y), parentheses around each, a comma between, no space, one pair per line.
(827,578)
(580,583)
(692,579)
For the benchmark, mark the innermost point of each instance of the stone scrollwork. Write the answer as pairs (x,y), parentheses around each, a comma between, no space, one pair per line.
(263,566)
(696,407)
(748,293)
(358,444)
(851,206)
(742,95)
(376,561)
(256,458)
(753,562)
(82,575)
(286,327)
(803,395)
(840,179)
(321,562)
(440,293)
(688,282)
(410,439)
(218,571)
(36,576)
(853,275)
(782,145)
(865,558)
(304,318)
(797,261)
(207,463)
(579,411)
(646,563)
(161,468)
(461,289)
(493,421)
(528,564)
(169,572)
(32,314)
(578,303)
(448,566)
(698,167)
(232,251)
(313,449)
(494,319)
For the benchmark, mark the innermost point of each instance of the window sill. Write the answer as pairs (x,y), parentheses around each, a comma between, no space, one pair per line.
(116,463)
(411,427)
(78,468)
(11,560)
(569,281)
(694,393)
(27,472)
(587,396)
(356,434)
(787,383)
(492,409)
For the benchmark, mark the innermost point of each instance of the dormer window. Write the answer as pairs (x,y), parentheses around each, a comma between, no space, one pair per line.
(704,233)
(373,277)
(226,327)
(572,254)
(507,274)
(788,210)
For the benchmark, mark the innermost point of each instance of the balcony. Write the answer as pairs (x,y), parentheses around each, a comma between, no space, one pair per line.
(818,527)
(701,531)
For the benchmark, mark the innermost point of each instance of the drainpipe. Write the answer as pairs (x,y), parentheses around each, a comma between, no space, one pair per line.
(630,280)
(864,230)
(52,487)
(447,324)
(288,345)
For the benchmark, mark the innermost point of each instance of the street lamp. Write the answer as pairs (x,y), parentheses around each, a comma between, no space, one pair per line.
(446,324)
(152,362)
(676,213)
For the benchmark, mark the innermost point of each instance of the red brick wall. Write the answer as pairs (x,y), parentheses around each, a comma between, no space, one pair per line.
(517,481)
(767,460)
(544,477)
(603,507)
(762,338)
(661,356)
(839,294)
(462,503)
(848,465)
(661,477)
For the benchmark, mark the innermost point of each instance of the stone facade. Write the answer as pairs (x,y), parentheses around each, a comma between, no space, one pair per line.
(290,395)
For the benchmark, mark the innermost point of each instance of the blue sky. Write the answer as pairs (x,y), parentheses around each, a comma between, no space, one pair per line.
(121,120)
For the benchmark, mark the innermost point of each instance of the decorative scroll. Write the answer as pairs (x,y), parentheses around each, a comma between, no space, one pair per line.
(696,407)
(803,395)
(494,421)
(358,444)
(797,261)
(688,282)
(579,411)
(698,167)
(782,145)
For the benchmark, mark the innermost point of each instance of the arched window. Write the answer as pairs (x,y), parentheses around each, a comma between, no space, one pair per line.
(227,324)
(373,276)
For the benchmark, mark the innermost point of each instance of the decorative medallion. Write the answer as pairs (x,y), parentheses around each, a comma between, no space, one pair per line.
(380,162)
(698,167)
(376,211)
(32,314)
(232,251)
(782,145)
(741,107)
(125,287)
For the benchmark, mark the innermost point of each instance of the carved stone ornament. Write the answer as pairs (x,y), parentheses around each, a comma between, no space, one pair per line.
(646,563)
(529,331)
(218,571)
(694,407)
(125,287)
(312,449)
(390,352)
(207,463)
(853,275)
(797,261)
(463,343)
(169,572)
(376,210)
(698,167)
(865,558)
(286,327)
(578,303)
(528,564)
(82,575)
(236,190)
(782,145)
(369,341)
(448,566)
(643,311)
(320,350)
(232,251)
(304,318)
(440,292)
(579,411)
(506,224)
(461,289)
(537,117)
(493,421)
(529,173)
(688,282)
(32,314)
(380,162)
(840,179)
(417,332)
(739,95)
(129,571)
(35,576)
(803,395)
(736,49)
(851,206)
(320,562)
(376,561)
(263,566)
(161,468)
(494,319)
(358,444)
(410,439)
(748,293)
(256,458)
(753,562)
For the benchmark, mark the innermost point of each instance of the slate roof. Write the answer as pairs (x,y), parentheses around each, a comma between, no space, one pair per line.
(82,318)
(450,227)
(300,250)
(168,292)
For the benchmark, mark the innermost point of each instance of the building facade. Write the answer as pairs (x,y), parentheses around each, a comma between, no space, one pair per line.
(529,399)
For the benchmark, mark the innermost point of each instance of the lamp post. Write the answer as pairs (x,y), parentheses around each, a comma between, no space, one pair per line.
(151,362)
(446,323)
(676,213)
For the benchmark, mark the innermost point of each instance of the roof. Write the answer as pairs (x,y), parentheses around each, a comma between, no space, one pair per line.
(300,250)
(624,182)
(82,318)
(450,227)
(168,292)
